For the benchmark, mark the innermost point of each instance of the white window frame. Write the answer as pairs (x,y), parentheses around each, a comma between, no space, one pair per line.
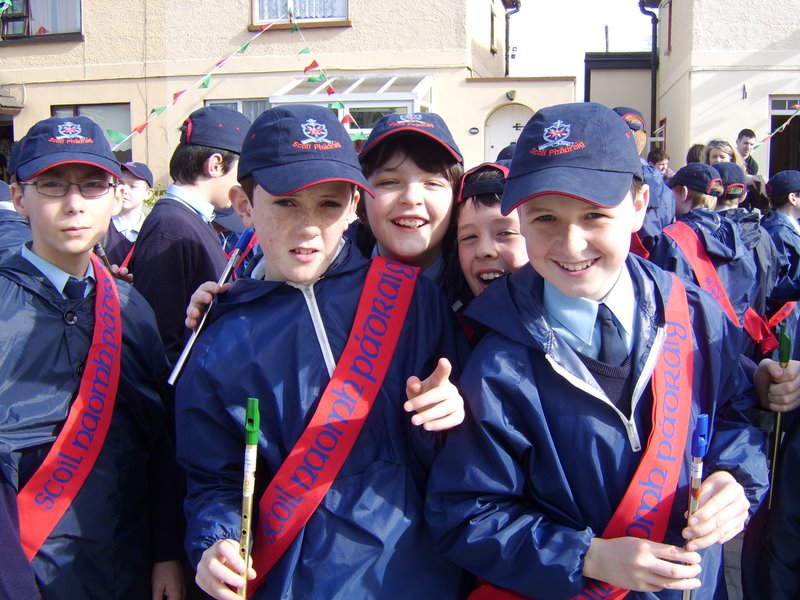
(342,12)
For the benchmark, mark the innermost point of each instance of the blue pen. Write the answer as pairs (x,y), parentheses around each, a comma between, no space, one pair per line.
(244,240)
(699,448)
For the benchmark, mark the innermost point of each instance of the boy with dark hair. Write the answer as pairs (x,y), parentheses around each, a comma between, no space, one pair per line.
(571,472)
(659,160)
(83,433)
(782,225)
(342,514)
(177,248)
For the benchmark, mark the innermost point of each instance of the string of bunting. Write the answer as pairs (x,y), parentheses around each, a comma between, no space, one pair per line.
(780,128)
(4,6)
(119,138)
(322,78)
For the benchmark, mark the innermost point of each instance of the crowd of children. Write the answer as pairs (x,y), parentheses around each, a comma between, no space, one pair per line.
(565,469)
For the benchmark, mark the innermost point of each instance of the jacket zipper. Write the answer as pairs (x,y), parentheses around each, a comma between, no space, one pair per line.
(630,425)
(319,326)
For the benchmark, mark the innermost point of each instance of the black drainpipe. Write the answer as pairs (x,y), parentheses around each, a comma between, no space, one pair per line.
(653,64)
(513,11)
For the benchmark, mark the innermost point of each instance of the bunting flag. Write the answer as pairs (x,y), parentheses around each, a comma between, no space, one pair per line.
(141,128)
(347,119)
(314,65)
(336,105)
(243,48)
(330,91)
(4,5)
(158,110)
(358,137)
(42,30)
(116,136)
(177,95)
(205,82)
(317,78)
(295,27)
(305,50)
(781,127)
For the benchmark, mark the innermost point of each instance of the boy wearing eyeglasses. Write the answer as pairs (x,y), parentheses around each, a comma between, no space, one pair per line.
(87,502)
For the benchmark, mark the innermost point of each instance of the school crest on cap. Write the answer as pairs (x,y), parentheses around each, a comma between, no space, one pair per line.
(412,119)
(556,135)
(69,131)
(315,132)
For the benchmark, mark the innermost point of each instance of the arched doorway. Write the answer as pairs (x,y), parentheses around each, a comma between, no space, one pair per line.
(503,127)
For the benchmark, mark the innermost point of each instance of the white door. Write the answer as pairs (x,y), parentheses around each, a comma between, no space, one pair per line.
(503,127)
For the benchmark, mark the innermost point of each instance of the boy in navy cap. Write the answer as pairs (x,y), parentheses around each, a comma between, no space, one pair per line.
(704,247)
(177,248)
(125,226)
(661,206)
(336,521)
(782,225)
(571,472)
(83,434)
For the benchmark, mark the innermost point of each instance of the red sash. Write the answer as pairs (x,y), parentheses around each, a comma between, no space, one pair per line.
(637,247)
(708,279)
(646,506)
(51,490)
(128,257)
(783,312)
(311,467)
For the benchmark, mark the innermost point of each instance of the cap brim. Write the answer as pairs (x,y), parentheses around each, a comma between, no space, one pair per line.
(34,167)
(606,188)
(230,221)
(367,149)
(290,178)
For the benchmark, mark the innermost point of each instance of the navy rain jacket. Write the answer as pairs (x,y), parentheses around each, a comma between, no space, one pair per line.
(544,458)
(276,342)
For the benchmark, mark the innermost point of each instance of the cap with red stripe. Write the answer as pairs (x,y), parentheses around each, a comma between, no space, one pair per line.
(426,124)
(63,140)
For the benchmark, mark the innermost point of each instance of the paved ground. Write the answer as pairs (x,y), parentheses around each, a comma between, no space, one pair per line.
(733,550)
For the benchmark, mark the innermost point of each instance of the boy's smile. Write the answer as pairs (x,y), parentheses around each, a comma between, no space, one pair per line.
(410,213)
(299,232)
(489,244)
(576,246)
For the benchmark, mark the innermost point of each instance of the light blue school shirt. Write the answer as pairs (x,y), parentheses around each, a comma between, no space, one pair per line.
(55,275)
(574,319)
(199,205)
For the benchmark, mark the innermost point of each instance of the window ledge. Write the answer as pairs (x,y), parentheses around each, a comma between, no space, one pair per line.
(304,24)
(42,39)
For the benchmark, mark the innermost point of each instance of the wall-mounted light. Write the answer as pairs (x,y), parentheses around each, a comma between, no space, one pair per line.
(474,130)
(511,94)
(744,92)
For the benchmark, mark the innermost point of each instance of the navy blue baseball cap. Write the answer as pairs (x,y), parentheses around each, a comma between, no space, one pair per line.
(59,141)
(140,171)
(699,177)
(583,150)
(427,124)
(783,184)
(227,218)
(507,153)
(217,127)
(292,147)
(468,188)
(5,192)
(732,177)
(633,117)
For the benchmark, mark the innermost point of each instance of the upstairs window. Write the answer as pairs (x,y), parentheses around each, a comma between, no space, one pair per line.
(38,18)
(309,11)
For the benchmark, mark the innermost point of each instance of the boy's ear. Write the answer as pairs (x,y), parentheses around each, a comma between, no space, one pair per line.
(119,196)
(640,203)
(18,198)
(214,166)
(241,204)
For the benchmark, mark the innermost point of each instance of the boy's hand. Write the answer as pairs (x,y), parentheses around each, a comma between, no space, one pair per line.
(778,388)
(220,569)
(202,297)
(122,273)
(721,513)
(436,401)
(641,565)
(167,580)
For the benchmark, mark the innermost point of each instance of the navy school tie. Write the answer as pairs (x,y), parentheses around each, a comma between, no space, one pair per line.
(613,350)
(75,289)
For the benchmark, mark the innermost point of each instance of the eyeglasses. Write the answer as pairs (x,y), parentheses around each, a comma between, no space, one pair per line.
(58,188)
